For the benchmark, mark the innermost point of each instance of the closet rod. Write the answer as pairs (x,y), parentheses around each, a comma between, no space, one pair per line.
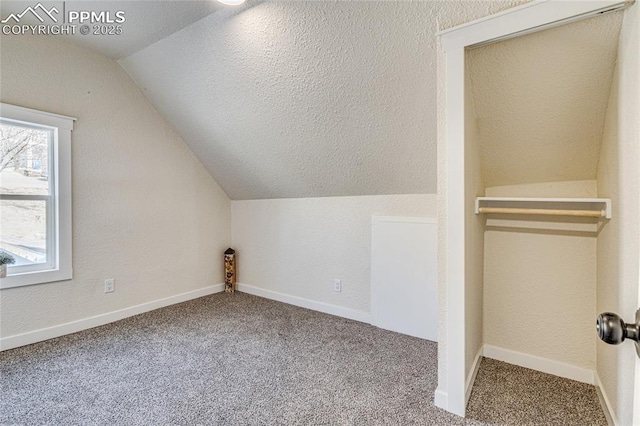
(546,212)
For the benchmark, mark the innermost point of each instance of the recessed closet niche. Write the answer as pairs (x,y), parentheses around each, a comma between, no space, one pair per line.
(541,145)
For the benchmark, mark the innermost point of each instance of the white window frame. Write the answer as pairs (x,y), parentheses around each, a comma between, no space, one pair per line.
(59,233)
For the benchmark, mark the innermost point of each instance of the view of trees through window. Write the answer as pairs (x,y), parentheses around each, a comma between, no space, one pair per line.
(24,191)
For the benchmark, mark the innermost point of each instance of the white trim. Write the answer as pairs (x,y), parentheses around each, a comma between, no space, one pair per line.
(36,277)
(471,379)
(455,234)
(537,363)
(526,19)
(61,267)
(440,399)
(28,115)
(403,219)
(327,308)
(489,17)
(595,204)
(604,401)
(42,334)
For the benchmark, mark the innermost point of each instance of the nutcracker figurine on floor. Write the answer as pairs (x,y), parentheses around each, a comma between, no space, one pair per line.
(230,270)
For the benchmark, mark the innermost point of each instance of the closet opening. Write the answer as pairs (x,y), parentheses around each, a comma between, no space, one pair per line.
(542,236)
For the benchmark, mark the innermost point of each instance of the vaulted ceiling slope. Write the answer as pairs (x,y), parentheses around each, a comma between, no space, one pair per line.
(541,101)
(291,98)
(302,99)
(307,99)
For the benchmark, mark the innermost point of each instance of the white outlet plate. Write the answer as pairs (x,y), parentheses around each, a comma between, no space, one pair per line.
(337,285)
(109,285)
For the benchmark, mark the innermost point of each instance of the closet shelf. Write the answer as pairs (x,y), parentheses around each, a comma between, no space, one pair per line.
(576,207)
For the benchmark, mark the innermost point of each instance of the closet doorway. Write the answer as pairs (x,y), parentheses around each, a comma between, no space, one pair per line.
(541,193)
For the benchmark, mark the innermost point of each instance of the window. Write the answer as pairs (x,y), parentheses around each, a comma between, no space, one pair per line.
(35,195)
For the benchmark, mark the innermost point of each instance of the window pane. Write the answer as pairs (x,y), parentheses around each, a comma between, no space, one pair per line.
(24,159)
(23,230)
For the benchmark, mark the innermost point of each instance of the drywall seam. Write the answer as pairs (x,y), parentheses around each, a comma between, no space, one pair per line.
(11,342)
(537,363)
(326,308)
(604,401)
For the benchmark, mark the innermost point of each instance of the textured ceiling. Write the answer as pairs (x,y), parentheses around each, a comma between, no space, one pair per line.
(302,99)
(293,99)
(541,101)
(146,21)
(309,98)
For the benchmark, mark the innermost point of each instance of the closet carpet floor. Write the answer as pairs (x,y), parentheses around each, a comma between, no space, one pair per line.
(237,359)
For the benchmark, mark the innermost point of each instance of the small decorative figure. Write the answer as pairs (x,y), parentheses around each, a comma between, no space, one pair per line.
(230,270)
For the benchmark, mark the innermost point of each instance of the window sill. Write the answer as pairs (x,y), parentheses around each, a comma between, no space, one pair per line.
(33,278)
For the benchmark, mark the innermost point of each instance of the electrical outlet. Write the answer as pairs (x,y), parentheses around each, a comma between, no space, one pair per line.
(109,285)
(337,285)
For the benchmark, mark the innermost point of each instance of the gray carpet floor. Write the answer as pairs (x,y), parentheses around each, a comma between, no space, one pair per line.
(506,394)
(236,359)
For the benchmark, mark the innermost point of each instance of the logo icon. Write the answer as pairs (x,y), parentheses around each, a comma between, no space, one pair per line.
(34,11)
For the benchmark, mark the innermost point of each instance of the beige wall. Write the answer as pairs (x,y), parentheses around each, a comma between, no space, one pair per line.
(539,282)
(298,246)
(618,251)
(145,211)
(474,229)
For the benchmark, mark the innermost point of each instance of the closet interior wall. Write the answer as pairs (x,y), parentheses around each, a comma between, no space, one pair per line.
(540,279)
(535,117)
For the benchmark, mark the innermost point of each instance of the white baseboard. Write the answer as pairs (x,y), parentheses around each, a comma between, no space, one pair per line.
(474,372)
(42,334)
(539,364)
(604,402)
(441,399)
(307,303)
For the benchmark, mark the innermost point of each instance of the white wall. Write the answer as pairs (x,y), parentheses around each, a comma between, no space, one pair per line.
(618,251)
(540,281)
(404,282)
(145,211)
(474,229)
(298,246)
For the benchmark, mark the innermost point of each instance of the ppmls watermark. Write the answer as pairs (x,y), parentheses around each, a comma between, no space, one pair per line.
(58,20)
